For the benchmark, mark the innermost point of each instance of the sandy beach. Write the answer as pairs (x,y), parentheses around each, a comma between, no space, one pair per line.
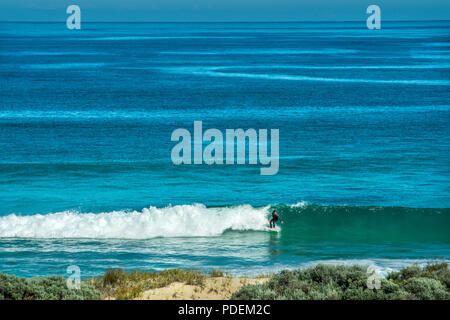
(220,288)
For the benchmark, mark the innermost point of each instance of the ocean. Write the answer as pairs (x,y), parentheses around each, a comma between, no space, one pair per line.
(86,117)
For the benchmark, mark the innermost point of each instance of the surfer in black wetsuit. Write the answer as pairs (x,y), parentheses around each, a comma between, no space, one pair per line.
(275,218)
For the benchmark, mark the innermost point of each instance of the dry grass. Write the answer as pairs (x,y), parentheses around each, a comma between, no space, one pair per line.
(119,284)
(169,284)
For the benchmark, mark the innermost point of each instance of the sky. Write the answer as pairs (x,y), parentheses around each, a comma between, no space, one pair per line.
(223,10)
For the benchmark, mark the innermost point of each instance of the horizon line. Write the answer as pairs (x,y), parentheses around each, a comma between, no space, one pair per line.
(237,21)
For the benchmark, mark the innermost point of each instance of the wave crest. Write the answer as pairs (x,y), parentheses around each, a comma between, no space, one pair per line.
(173,221)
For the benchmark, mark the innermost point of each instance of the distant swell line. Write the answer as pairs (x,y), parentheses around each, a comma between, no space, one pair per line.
(351,67)
(322,79)
(212,72)
(132,38)
(265,52)
(64,65)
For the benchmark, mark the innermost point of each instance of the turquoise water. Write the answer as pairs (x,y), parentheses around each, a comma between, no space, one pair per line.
(86,117)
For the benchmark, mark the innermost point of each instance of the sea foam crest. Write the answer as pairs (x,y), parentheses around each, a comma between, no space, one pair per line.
(173,221)
(300,204)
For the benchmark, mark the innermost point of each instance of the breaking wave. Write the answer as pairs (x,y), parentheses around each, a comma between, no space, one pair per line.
(173,221)
(302,221)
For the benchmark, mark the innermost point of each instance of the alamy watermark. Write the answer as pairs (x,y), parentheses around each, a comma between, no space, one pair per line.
(212,153)
(74,280)
(374,279)
(74,20)
(374,20)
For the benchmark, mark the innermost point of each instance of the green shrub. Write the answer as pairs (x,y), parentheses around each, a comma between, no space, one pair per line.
(43,288)
(437,271)
(257,292)
(426,289)
(328,282)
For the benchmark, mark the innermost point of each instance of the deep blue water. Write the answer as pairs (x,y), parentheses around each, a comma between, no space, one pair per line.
(86,118)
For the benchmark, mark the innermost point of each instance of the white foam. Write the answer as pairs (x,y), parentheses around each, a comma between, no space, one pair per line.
(172,221)
(384,266)
(300,204)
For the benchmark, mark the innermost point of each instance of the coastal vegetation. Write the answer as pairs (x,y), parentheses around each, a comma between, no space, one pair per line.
(322,282)
(43,288)
(329,282)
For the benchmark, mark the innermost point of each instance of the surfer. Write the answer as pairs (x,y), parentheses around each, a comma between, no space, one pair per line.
(275,218)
